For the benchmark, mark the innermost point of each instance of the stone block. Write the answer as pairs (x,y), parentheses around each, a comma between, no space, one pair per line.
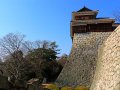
(110,75)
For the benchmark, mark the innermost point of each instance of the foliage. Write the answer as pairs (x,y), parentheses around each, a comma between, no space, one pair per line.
(25,60)
(62,60)
(51,70)
(45,54)
(81,88)
(67,88)
(52,87)
(44,63)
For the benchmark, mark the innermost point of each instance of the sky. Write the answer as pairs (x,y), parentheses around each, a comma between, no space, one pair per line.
(48,19)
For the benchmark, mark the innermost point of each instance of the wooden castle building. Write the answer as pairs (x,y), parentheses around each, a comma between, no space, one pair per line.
(85,20)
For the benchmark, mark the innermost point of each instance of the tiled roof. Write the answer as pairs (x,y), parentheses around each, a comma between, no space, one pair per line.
(84,9)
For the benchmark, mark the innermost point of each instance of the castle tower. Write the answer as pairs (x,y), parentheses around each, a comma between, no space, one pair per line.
(87,33)
(85,20)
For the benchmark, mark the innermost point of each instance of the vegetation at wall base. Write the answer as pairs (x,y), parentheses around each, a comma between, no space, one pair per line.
(67,88)
(52,87)
(81,88)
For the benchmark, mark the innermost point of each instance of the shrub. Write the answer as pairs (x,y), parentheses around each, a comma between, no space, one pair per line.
(52,87)
(66,88)
(81,88)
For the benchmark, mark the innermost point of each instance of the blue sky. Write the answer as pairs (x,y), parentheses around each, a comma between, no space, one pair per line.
(48,19)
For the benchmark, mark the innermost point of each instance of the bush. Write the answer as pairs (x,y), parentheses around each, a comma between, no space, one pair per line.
(52,87)
(66,88)
(81,88)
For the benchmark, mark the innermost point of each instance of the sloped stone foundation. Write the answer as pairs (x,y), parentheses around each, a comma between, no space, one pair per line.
(81,65)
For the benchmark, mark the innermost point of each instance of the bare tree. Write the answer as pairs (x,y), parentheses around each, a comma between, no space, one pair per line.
(10,46)
(11,43)
(28,45)
(117,16)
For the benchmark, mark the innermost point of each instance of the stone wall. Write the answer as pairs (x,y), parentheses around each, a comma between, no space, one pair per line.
(107,75)
(80,68)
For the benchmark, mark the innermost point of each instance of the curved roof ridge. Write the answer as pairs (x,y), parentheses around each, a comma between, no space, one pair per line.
(84,9)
